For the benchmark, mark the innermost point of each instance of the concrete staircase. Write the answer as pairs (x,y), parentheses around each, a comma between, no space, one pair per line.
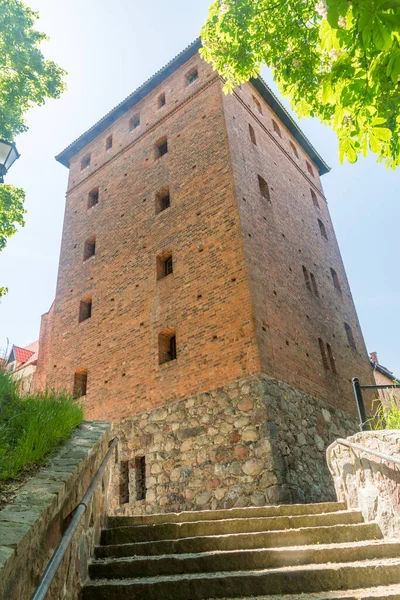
(308,551)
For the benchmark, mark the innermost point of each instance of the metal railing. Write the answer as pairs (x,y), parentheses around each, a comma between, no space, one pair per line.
(59,553)
(355,446)
(357,387)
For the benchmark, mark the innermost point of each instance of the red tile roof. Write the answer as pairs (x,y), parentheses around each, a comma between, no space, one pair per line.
(22,354)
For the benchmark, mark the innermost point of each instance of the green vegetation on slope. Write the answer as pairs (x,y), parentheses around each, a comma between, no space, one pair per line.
(387,415)
(32,426)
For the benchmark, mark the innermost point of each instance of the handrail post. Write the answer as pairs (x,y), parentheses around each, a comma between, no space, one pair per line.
(364,426)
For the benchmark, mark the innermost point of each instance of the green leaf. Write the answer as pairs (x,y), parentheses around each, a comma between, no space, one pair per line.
(390,4)
(338,117)
(336,9)
(345,76)
(347,150)
(395,74)
(382,133)
(381,36)
(374,143)
(328,36)
(328,93)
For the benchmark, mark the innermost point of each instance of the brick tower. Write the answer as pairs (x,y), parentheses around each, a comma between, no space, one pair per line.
(202,303)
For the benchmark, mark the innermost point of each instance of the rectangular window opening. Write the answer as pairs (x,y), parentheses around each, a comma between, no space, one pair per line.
(322,229)
(93,197)
(252,135)
(168,266)
(323,354)
(89,249)
(276,127)
(124,482)
(164,265)
(192,76)
(307,279)
(80,383)
(258,104)
(161,147)
(294,149)
(350,336)
(264,189)
(85,309)
(309,168)
(161,100)
(314,198)
(314,285)
(335,279)
(85,162)
(167,346)
(331,359)
(163,200)
(109,142)
(140,477)
(134,122)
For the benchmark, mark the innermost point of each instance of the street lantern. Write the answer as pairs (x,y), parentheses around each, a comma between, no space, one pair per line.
(8,156)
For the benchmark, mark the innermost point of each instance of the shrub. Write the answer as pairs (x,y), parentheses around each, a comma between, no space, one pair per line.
(387,416)
(31,426)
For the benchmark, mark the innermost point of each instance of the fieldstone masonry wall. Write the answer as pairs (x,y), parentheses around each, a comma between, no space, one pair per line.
(369,483)
(32,526)
(253,442)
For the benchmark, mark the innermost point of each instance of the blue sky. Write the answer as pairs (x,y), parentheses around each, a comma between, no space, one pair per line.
(109,49)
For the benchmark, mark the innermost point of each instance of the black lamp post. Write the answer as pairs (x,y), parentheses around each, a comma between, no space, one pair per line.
(8,156)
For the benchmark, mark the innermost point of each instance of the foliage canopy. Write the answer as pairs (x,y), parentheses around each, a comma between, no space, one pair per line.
(26,80)
(337,60)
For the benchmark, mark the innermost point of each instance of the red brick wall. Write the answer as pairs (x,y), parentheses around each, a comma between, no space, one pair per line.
(386,396)
(236,298)
(280,237)
(45,348)
(207,298)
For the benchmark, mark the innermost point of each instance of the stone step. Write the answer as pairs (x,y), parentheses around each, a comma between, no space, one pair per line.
(288,580)
(210,562)
(170,531)
(266,539)
(374,593)
(231,513)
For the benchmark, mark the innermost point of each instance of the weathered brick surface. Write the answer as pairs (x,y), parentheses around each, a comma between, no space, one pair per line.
(45,347)
(237,299)
(207,298)
(280,237)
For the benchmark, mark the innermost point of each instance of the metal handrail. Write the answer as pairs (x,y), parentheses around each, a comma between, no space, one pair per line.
(55,561)
(367,450)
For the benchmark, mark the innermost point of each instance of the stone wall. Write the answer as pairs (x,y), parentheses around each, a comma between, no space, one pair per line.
(256,441)
(32,525)
(369,483)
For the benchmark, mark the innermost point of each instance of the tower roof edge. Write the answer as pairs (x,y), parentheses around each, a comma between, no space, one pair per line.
(114,114)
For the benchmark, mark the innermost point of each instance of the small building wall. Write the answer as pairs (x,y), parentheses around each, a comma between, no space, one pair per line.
(25,376)
(386,396)
(44,357)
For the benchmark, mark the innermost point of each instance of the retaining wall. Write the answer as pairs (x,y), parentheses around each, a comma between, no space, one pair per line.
(32,525)
(369,483)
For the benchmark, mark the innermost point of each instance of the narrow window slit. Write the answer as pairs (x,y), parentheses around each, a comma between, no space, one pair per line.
(140,477)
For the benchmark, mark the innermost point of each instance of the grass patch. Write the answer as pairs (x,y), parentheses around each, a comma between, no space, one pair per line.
(32,426)
(387,416)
